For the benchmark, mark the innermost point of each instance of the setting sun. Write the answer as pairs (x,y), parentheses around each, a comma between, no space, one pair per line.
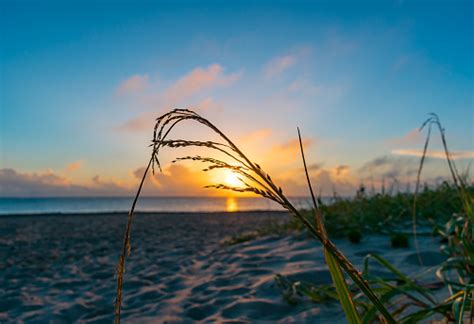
(231,179)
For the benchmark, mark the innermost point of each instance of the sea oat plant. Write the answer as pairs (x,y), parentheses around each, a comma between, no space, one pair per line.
(254,179)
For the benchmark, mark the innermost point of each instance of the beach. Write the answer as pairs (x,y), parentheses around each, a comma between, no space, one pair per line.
(61,268)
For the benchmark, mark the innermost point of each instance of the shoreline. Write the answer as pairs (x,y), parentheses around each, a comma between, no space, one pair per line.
(137,213)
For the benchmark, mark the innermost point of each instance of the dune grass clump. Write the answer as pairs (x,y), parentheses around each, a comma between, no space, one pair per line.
(410,300)
(382,213)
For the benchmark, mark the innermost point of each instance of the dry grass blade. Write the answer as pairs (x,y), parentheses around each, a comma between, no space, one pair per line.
(457,179)
(253,178)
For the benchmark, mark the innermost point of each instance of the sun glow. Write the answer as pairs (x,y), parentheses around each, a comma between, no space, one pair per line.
(231,179)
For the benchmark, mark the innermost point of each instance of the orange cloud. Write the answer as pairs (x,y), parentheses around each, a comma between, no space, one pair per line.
(135,83)
(256,136)
(181,180)
(197,80)
(291,149)
(187,89)
(74,166)
(207,104)
(143,122)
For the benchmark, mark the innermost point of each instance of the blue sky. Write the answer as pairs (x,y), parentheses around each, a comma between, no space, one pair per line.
(82,81)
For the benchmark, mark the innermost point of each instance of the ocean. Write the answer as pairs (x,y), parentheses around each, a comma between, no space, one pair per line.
(77,205)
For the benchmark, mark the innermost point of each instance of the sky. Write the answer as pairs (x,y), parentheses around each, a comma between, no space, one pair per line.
(81,83)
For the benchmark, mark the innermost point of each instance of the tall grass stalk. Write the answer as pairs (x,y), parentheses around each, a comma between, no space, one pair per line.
(254,179)
(340,284)
(459,183)
(126,249)
(417,188)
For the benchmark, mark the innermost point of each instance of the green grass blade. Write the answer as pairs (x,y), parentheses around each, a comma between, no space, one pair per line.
(423,291)
(342,290)
(459,307)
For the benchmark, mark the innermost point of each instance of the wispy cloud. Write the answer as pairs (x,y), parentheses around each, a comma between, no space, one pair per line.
(278,65)
(304,86)
(413,137)
(435,154)
(135,83)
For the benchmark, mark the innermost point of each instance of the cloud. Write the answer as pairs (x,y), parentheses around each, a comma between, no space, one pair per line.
(403,169)
(389,167)
(255,136)
(74,166)
(135,83)
(198,80)
(413,137)
(286,153)
(146,120)
(341,170)
(325,181)
(208,104)
(189,90)
(49,184)
(279,65)
(178,180)
(435,154)
(293,146)
(143,122)
(315,166)
(304,86)
(289,174)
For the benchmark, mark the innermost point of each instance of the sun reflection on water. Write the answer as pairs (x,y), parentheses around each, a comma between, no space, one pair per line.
(231,204)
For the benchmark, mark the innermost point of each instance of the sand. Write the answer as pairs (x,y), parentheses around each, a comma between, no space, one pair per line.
(61,268)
